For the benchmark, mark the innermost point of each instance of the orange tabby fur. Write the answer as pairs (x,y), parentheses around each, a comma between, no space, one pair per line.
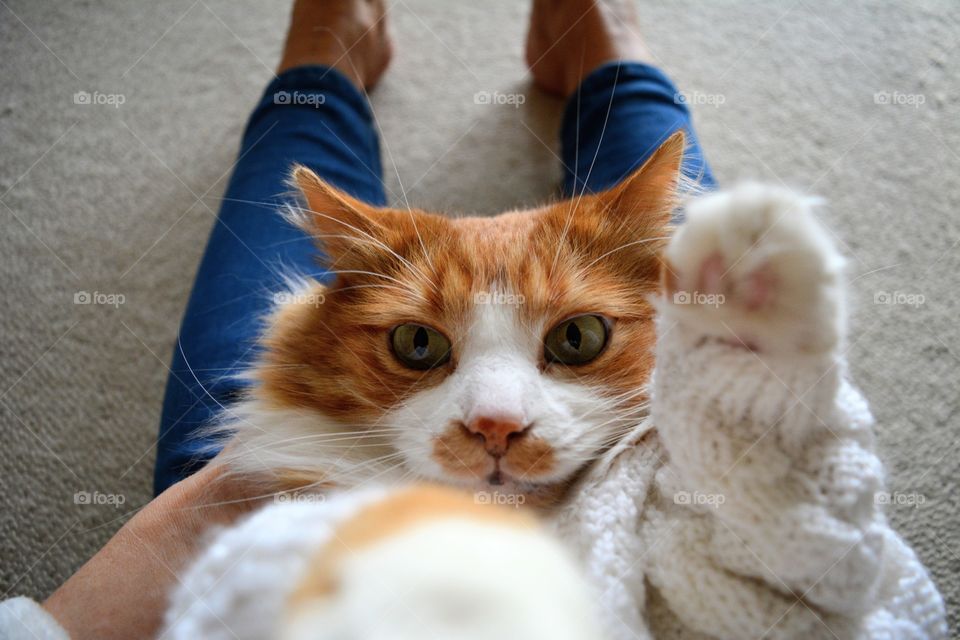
(414,506)
(595,253)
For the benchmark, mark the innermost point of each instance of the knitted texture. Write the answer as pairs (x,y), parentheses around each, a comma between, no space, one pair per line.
(750,510)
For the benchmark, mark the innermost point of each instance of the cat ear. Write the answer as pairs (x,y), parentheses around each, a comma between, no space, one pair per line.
(338,221)
(649,194)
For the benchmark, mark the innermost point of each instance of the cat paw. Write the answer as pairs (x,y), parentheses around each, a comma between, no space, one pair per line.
(754,268)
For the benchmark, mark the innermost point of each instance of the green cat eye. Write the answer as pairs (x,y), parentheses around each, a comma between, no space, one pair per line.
(577,340)
(419,347)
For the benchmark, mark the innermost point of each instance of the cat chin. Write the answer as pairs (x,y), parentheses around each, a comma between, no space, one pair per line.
(507,491)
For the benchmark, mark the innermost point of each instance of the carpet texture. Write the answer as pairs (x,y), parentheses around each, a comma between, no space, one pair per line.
(854,101)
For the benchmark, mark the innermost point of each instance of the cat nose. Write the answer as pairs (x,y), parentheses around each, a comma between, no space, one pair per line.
(496,432)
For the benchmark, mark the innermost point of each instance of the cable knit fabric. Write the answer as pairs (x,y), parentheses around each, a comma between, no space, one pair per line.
(750,510)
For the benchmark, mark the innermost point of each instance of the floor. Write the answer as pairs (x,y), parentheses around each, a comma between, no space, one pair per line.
(855,101)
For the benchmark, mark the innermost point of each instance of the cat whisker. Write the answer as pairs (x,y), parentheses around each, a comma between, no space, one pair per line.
(365,286)
(624,246)
(403,192)
(403,284)
(314,440)
(416,270)
(377,242)
(583,190)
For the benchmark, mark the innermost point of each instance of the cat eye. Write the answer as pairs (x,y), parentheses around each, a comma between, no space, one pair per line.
(419,347)
(577,340)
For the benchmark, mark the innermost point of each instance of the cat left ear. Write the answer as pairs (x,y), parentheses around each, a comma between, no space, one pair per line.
(337,220)
(650,192)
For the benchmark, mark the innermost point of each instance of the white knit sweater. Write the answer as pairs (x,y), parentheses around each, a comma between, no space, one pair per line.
(751,511)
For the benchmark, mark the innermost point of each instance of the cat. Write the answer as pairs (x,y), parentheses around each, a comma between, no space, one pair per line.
(728,492)
(481,352)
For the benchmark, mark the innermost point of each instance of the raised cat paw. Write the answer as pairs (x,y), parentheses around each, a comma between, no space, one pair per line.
(754,268)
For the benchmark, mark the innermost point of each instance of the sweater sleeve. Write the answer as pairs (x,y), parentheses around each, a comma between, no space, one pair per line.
(23,619)
(771,466)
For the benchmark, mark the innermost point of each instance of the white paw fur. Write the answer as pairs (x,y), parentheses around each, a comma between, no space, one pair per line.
(753,267)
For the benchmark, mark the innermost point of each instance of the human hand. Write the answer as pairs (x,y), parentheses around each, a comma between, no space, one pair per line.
(121,592)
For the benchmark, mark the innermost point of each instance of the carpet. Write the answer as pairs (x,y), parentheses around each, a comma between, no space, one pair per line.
(120,121)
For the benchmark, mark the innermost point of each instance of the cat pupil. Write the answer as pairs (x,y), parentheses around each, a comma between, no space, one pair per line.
(420,341)
(573,335)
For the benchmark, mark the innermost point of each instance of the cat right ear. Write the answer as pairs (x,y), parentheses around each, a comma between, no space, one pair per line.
(338,221)
(650,193)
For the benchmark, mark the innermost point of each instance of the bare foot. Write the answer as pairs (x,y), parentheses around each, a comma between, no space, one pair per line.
(348,35)
(570,38)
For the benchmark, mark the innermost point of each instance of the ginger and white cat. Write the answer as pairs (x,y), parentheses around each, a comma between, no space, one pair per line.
(505,351)
(731,496)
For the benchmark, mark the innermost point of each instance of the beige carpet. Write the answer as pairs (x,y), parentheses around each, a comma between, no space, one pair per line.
(854,101)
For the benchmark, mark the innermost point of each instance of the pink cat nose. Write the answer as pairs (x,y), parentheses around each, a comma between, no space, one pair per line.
(496,432)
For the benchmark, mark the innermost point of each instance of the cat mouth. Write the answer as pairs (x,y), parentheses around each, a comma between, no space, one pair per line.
(528,460)
(496,477)
(507,480)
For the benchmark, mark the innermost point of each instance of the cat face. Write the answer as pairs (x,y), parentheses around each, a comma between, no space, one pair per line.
(507,350)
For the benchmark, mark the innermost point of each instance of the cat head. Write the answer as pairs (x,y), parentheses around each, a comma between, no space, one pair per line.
(506,350)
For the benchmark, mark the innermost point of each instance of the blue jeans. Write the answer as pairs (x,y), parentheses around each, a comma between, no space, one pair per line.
(316,117)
